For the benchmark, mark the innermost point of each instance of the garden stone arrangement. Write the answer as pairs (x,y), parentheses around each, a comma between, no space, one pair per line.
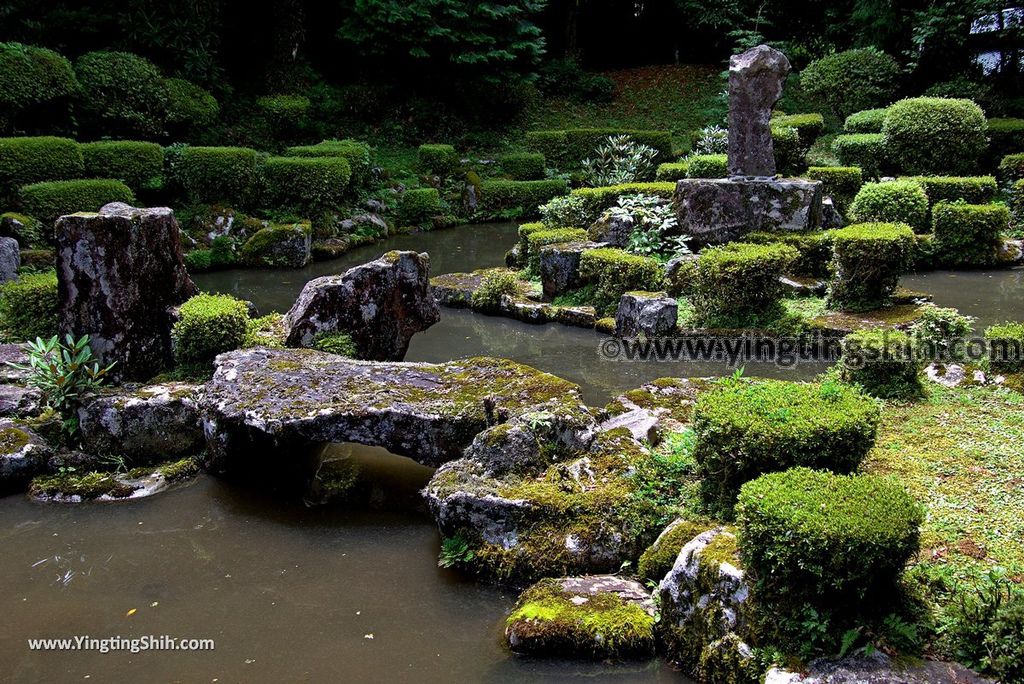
(860,523)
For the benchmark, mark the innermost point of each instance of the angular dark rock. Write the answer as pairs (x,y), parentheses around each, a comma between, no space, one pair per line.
(19,401)
(560,267)
(23,455)
(120,273)
(756,78)
(652,314)
(10,259)
(613,229)
(381,304)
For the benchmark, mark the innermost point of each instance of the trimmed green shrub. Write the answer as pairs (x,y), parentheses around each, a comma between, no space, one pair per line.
(934,135)
(190,108)
(338,343)
(525,231)
(208,325)
(1005,136)
(306,184)
(35,159)
(228,175)
(969,235)
(523,165)
(970,189)
(49,200)
(745,429)
(841,183)
(31,77)
(808,126)
(835,543)
(492,288)
(867,261)
(509,199)
(865,150)
(440,160)
(788,149)
(866,121)
(284,113)
(122,95)
(1011,168)
(135,163)
(814,250)
(850,81)
(707,166)
(357,153)
(537,239)
(418,205)
(672,171)
(566,149)
(615,272)
(1006,347)
(737,285)
(552,145)
(882,362)
(900,201)
(28,307)
(597,200)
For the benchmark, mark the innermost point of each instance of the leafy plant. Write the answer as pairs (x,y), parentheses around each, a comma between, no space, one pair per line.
(62,371)
(712,139)
(565,211)
(620,159)
(935,330)
(652,218)
(455,551)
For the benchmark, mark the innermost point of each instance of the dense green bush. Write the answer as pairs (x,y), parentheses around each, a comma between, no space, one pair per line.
(190,108)
(1011,168)
(566,149)
(814,250)
(122,95)
(935,330)
(540,238)
(864,150)
(1006,659)
(883,362)
(747,428)
(523,165)
(867,261)
(808,126)
(1006,136)
(707,166)
(615,272)
(834,543)
(788,149)
(229,175)
(35,159)
(850,81)
(492,288)
(841,183)
(510,199)
(930,135)
(28,307)
(866,121)
(305,184)
(208,325)
(1006,347)
(969,235)
(440,160)
(737,285)
(672,171)
(418,205)
(137,164)
(32,78)
(285,113)
(51,199)
(528,229)
(357,153)
(900,201)
(597,200)
(970,189)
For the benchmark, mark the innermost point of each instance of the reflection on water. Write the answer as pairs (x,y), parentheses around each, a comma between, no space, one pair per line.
(990,296)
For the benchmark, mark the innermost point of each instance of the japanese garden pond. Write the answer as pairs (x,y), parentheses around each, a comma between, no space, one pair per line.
(352,595)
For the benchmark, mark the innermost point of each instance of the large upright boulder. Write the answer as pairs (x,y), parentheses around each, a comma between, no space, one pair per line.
(756,78)
(381,304)
(10,259)
(120,274)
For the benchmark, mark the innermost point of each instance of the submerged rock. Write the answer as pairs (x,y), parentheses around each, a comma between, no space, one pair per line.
(147,425)
(23,455)
(120,272)
(652,314)
(595,616)
(876,668)
(381,304)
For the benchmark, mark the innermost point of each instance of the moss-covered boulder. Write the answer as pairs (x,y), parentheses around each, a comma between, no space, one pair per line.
(279,246)
(23,455)
(112,485)
(658,559)
(597,616)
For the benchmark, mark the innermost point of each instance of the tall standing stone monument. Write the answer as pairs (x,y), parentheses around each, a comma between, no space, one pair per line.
(717,210)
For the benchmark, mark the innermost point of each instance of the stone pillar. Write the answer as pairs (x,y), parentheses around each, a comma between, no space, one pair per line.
(756,78)
(120,273)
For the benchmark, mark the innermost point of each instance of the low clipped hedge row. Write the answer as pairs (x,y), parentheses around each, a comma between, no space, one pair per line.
(867,261)
(615,272)
(138,164)
(49,200)
(747,428)
(970,189)
(418,205)
(28,307)
(671,171)
(808,126)
(863,150)
(707,166)
(737,285)
(440,160)
(597,200)
(900,201)
(41,158)
(511,198)
(814,250)
(841,183)
(523,165)
(969,235)
(305,184)
(566,149)
(356,153)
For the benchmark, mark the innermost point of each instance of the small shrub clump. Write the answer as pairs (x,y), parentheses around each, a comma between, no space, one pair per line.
(418,205)
(227,175)
(339,343)
(866,121)
(969,235)
(808,126)
(523,165)
(49,200)
(305,184)
(440,160)
(864,150)
(28,307)
(737,285)
(565,211)
(841,183)
(882,362)
(208,325)
(867,261)
(707,166)
(814,250)
(138,164)
(935,330)
(492,288)
(747,428)
(851,81)
(1005,347)
(615,272)
(901,201)
(190,108)
(934,135)
(672,171)
(32,79)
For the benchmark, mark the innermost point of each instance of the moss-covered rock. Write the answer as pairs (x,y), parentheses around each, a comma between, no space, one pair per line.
(279,246)
(660,556)
(598,616)
(110,485)
(23,454)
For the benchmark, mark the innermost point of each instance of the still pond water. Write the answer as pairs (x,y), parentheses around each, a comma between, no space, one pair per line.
(291,593)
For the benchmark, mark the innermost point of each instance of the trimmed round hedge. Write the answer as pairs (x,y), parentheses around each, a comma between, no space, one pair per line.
(881,361)
(122,94)
(31,76)
(934,135)
(865,150)
(208,325)
(50,200)
(523,165)
(28,307)
(38,158)
(418,205)
(737,285)
(1006,347)
(134,162)
(853,80)
(440,160)
(357,153)
(832,541)
(190,108)
(866,121)
(900,201)
(305,184)
(747,428)
(867,261)
(615,272)
(219,174)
